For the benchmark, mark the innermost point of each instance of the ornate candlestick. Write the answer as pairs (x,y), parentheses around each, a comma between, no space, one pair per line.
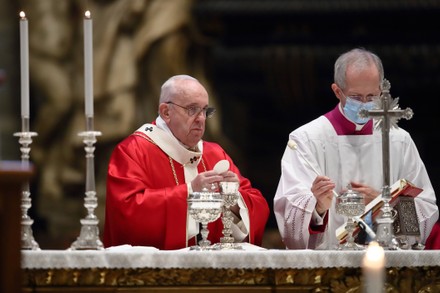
(89,235)
(25,139)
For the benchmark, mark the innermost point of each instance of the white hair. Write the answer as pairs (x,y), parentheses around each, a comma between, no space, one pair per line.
(169,88)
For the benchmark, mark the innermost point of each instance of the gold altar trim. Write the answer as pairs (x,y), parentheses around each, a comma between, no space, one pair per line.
(402,279)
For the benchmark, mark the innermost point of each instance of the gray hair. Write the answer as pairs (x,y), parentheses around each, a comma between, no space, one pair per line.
(360,59)
(170,89)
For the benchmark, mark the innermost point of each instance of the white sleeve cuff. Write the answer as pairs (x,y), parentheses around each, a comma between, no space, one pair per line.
(317,220)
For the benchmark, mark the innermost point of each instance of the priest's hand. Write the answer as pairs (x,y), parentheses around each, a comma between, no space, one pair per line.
(368,192)
(206,180)
(322,189)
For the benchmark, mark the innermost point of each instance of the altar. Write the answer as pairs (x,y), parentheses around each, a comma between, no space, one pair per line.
(141,269)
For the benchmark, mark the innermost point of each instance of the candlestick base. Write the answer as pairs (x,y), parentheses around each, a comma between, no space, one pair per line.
(385,234)
(88,237)
(385,223)
(27,238)
(385,229)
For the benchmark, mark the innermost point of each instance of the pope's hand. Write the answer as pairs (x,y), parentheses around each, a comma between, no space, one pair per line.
(205,180)
(230,176)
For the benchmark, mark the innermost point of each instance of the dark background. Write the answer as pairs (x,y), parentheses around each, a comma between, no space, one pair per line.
(271,66)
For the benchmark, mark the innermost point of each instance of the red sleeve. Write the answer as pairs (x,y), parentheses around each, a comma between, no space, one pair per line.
(316,229)
(144,206)
(433,241)
(255,201)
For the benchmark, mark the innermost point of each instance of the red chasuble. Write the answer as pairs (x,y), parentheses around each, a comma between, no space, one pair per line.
(145,206)
(433,241)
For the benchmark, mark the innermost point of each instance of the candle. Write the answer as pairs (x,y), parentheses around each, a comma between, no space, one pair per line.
(88,64)
(24,65)
(373,268)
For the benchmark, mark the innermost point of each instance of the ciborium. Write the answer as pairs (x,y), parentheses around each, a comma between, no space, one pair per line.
(204,207)
(350,204)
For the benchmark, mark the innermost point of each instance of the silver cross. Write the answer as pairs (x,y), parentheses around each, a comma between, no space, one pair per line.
(386,115)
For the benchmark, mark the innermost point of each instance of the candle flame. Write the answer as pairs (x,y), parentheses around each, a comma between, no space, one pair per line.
(374,256)
(87,14)
(22,14)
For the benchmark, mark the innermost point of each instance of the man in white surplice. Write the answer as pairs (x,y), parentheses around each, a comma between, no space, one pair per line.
(344,148)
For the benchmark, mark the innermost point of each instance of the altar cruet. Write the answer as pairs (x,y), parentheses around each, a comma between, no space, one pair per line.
(350,204)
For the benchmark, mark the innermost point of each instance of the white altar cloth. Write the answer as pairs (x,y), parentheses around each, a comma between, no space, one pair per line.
(146,257)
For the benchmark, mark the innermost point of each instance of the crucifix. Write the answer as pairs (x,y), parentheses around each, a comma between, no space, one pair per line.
(386,114)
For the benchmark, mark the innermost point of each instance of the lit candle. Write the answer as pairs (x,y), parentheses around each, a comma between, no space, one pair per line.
(374,268)
(24,65)
(88,64)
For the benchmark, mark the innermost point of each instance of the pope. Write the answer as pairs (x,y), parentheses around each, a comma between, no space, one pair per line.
(152,172)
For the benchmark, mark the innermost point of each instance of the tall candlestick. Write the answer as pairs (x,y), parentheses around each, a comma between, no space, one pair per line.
(88,64)
(374,268)
(24,65)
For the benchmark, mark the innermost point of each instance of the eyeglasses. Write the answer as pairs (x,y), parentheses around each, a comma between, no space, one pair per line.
(360,98)
(196,110)
(363,99)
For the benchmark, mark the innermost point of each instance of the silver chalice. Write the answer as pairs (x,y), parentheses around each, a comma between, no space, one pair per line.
(230,195)
(204,207)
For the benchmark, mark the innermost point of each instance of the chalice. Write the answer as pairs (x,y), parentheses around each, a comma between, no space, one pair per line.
(350,204)
(204,207)
(230,195)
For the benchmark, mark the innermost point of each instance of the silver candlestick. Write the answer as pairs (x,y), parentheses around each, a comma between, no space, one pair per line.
(25,139)
(89,235)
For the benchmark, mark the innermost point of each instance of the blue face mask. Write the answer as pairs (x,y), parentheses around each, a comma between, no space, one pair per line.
(352,108)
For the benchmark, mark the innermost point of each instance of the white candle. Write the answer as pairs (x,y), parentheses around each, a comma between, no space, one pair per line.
(88,64)
(24,65)
(373,267)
